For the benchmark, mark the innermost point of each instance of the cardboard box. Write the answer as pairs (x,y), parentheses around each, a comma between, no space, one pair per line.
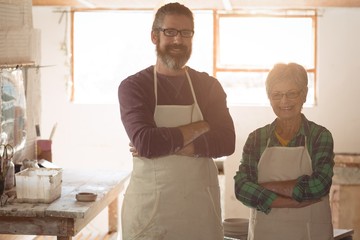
(19,46)
(345,193)
(15,13)
(38,185)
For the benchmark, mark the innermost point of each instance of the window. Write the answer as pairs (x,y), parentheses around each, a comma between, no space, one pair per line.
(239,49)
(249,45)
(106,49)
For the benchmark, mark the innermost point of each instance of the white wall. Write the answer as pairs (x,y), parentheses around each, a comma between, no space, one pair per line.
(92,136)
(89,136)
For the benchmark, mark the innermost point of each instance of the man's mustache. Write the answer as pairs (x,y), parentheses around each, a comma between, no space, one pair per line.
(177,47)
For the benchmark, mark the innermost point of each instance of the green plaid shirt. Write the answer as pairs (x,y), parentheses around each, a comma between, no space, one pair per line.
(320,146)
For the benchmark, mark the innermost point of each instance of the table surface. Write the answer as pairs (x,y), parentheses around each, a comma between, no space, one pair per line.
(65,216)
(338,234)
(342,233)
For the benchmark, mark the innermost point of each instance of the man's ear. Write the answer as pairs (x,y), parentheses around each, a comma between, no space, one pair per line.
(154,37)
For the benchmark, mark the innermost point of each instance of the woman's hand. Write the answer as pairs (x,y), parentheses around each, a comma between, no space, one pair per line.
(284,191)
(285,202)
(283,188)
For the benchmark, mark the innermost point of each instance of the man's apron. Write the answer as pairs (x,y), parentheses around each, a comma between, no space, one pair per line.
(308,223)
(173,197)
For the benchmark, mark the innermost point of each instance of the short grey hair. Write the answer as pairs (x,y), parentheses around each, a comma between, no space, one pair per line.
(171,9)
(289,72)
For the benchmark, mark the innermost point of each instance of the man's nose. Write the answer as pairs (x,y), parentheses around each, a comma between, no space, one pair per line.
(178,38)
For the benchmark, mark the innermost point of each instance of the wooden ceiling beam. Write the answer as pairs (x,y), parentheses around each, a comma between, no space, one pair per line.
(60,3)
(237,4)
(194,4)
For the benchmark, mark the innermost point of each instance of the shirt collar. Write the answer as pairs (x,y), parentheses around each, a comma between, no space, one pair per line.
(304,128)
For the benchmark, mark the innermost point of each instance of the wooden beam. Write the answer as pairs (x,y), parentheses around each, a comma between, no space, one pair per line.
(60,3)
(196,4)
(237,4)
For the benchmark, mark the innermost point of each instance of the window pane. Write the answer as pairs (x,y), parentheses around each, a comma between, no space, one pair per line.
(107,49)
(259,42)
(248,88)
(203,44)
(244,88)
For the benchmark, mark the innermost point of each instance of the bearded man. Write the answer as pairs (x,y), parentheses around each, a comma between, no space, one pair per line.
(177,121)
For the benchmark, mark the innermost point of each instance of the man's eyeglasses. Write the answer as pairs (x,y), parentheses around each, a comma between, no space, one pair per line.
(289,95)
(171,32)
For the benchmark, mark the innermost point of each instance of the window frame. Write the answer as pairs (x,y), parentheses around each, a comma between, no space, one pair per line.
(286,13)
(216,68)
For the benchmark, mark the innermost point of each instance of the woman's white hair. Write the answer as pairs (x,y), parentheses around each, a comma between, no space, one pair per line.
(286,72)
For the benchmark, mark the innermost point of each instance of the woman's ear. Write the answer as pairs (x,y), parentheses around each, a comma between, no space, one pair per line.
(305,93)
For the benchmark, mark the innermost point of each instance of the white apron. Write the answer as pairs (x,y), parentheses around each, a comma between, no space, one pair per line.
(309,223)
(173,197)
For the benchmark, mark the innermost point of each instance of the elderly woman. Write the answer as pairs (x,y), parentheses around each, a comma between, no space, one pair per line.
(287,166)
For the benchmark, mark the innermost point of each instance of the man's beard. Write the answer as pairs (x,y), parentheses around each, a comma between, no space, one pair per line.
(174,61)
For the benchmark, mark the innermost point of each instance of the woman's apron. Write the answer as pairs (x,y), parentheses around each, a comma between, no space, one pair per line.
(173,197)
(308,223)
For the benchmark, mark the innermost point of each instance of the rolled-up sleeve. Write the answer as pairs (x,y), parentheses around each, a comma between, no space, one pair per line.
(137,106)
(247,189)
(137,114)
(220,140)
(319,182)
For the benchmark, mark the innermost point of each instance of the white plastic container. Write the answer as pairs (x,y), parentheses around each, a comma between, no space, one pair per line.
(38,185)
(236,228)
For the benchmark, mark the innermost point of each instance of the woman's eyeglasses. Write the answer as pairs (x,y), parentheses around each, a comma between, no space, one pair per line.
(289,95)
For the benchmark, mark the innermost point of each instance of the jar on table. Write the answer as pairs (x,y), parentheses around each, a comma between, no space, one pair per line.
(10,176)
(26,163)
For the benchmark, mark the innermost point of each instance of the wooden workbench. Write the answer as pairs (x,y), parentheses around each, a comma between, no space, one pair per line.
(343,234)
(65,217)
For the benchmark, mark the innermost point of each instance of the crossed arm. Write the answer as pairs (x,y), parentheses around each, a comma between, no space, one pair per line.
(294,193)
(284,190)
(190,132)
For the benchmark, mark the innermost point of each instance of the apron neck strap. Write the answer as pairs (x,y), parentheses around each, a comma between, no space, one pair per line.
(189,81)
(305,144)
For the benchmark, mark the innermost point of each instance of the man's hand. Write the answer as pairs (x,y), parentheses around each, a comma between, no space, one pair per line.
(133,150)
(190,132)
(188,150)
(194,130)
